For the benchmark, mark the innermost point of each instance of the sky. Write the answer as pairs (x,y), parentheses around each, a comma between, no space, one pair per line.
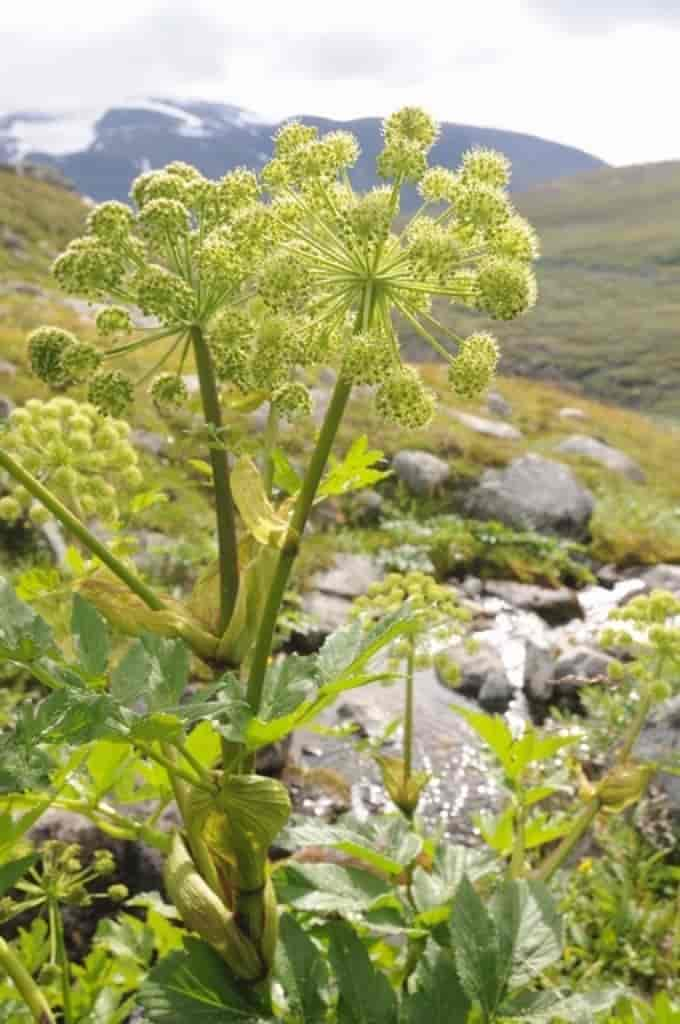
(597,74)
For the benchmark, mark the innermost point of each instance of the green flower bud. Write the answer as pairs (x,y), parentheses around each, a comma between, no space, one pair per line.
(164,220)
(237,189)
(403,160)
(117,893)
(411,124)
(370,219)
(89,268)
(516,240)
(370,358)
(433,251)
(160,185)
(473,368)
(10,509)
(481,206)
(38,515)
(438,184)
(486,166)
(111,222)
(405,400)
(292,401)
(343,148)
(132,477)
(163,294)
(80,361)
(285,285)
(505,288)
(111,393)
(168,390)
(49,974)
(46,349)
(104,862)
(292,137)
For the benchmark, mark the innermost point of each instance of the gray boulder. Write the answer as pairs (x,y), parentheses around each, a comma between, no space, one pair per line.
(6,406)
(598,451)
(421,472)
(582,663)
(349,576)
(659,741)
(498,405)
(556,606)
(149,441)
(503,431)
(533,493)
(662,577)
(482,677)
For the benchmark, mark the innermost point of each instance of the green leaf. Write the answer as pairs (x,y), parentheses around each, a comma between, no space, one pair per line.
(529,929)
(329,888)
(286,478)
(147,499)
(107,762)
(439,997)
(201,466)
(128,679)
(194,985)
(433,891)
(546,1007)
(91,636)
(169,674)
(375,847)
(354,472)
(482,969)
(204,744)
(11,873)
(288,682)
(302,971)
(366,996)
(24,635)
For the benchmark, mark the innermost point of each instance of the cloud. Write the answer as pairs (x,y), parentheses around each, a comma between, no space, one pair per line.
(606,15)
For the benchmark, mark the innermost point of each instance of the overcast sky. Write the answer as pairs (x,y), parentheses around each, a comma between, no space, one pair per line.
(597,74)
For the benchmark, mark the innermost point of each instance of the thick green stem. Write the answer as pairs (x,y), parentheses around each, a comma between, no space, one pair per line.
(80,531)
(408,712)
(303,506)
(549,866)
(289,550)
(224,504)
(57,927)
(270,436)
(516,867)
(26,986)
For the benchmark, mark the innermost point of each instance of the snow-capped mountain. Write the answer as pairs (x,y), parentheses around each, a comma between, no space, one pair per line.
(101,151)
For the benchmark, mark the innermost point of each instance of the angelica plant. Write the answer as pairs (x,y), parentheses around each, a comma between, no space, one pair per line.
(257,282)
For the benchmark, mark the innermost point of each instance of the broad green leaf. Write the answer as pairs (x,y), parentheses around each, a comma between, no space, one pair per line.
(159,727)
(481,968)
(194,985)
(286,477)
(201,466)
(265,523)
(128,679)
(498,830)
(147,499)
(387,857)
(204,744)
(329,888)
(354,472)
(24,635)
(288,682)
(493,730)
(91,636)
(107,762)
(434,890)
(439,997)
(365,994)
(546,1007)
(529,930)
(540,830)
(301,969)
(11,873)
(126,937)
(169,671)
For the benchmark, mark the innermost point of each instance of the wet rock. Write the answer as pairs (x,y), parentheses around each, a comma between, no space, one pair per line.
(472,586)
(613,458)
(6,406)
(7,369)
(662,577)
(556,606)
(504,431)
(366,507)
(327,612)
(539,666)
(421,472)
(349,576)
(659,742)
(148,441)
(22,288)
(582,663)
(533,493)
(483,676)
(498,405)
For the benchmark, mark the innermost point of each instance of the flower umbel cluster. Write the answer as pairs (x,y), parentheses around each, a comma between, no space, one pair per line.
(298,270)
(84,458)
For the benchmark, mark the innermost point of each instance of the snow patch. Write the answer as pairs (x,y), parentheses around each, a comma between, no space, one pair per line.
(55,134)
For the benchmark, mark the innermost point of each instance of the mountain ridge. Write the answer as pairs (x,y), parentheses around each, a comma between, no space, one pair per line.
(102,150)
